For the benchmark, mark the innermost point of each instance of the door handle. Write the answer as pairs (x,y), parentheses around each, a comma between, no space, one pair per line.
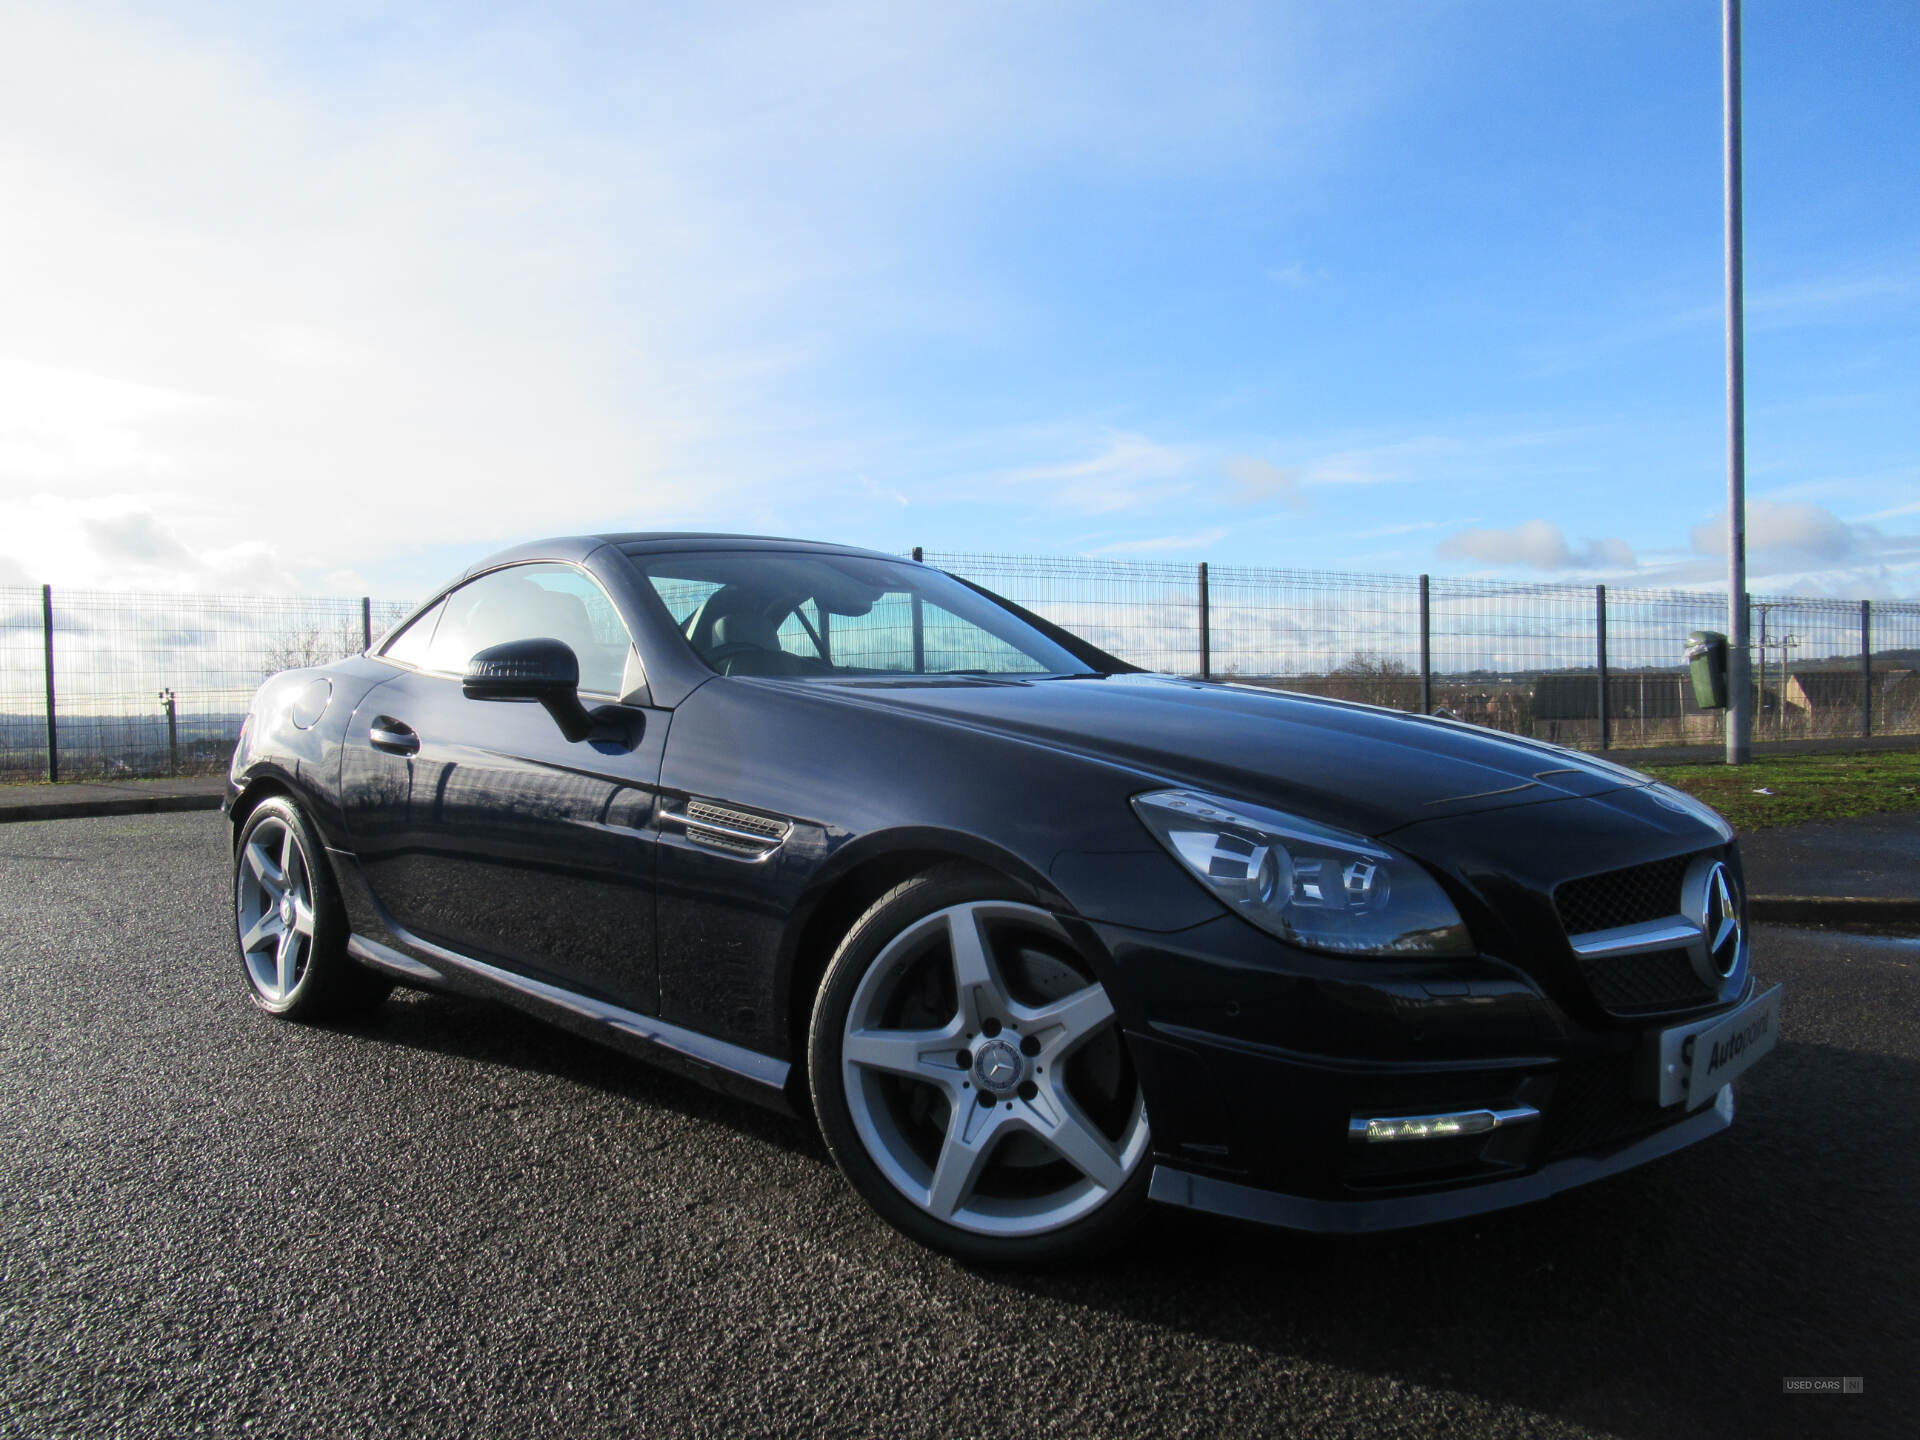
(394,736)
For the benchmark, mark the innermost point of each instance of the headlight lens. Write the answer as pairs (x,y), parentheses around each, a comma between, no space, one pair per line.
(1308,884)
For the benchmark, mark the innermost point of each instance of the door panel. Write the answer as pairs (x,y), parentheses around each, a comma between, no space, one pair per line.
(495,836)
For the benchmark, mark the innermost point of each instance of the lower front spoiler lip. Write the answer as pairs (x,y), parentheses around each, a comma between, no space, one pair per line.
(1173,1186)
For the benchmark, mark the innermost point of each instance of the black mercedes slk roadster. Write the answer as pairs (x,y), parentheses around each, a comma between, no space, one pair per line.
(1035,936)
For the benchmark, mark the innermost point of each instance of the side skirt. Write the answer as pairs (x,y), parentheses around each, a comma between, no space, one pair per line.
(411,960)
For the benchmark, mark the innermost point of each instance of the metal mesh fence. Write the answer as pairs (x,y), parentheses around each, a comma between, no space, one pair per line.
(152,684)
(1522,658)
(1145,612)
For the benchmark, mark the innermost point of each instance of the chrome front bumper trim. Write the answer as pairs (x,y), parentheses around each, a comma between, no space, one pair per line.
(1387,1129)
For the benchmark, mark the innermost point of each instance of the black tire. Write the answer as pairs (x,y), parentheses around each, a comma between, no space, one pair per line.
(875,1135)
(326,983)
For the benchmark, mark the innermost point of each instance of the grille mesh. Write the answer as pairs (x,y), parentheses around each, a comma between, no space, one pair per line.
(1645,984)
(1622,897)
(1594,1106)
(732,844)
(738,819)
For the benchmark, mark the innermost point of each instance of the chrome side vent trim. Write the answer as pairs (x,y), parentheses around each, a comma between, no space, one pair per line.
(739,833)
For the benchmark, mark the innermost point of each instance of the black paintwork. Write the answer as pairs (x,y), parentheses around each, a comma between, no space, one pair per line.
(478,847)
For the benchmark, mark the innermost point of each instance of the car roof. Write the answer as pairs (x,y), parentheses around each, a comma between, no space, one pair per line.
(646,543)
(655,542)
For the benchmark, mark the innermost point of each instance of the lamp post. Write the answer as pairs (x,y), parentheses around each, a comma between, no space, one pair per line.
(1739,663)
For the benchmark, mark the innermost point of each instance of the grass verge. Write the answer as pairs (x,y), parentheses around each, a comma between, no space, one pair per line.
(1787,789)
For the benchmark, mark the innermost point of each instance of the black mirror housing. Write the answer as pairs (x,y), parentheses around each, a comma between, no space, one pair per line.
(544,671)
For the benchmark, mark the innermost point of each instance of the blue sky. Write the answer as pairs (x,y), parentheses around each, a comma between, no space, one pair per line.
(334,298)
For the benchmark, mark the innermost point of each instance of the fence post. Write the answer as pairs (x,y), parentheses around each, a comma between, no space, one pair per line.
(53,737)
(1206,627)
(1600,647)
(919,624)
(1866,668)
(366,622)
(173,734)
(1426,648)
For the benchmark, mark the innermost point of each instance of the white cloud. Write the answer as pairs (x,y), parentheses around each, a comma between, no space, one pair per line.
(1410,528)
(1128,472)
(1260,482)
(1158,543)
(1296,276)
(526,272)
(1811,532)
(125,542)
(1538,545)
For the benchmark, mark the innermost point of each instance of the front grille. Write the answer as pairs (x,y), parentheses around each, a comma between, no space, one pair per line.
(1594,1107)
(1413,1159)
(1622,897)
(1645,984)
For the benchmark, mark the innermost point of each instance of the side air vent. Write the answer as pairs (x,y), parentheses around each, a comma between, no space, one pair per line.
(762,825)
(739,833)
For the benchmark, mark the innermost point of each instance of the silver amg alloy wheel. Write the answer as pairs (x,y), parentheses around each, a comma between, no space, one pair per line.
(291,930)
(985,1076)
(274,909)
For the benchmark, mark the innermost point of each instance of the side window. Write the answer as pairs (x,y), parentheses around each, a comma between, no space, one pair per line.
(527,602)
(410,646)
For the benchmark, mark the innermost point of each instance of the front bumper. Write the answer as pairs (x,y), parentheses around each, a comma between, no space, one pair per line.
(1255,1059)
(1173,1186)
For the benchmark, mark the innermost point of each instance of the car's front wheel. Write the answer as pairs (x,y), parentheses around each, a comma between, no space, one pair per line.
(289,923)
(970,1077)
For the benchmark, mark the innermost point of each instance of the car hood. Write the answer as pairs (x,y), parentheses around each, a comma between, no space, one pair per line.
(1355,766)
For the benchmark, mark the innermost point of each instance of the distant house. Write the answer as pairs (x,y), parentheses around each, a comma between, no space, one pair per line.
(1642,707)
(1823,702)
(1827,702)
(1896,699)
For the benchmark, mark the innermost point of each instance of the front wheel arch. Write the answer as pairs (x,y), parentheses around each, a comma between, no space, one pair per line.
(1107,1141)
(858,877)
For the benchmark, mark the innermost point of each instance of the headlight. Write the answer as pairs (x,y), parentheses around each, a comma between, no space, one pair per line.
(1309,884)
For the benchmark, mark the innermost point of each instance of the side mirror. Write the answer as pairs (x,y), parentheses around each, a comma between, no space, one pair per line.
(544,671)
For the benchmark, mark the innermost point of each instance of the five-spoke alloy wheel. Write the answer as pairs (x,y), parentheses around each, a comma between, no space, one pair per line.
(288,923)
(970,1077)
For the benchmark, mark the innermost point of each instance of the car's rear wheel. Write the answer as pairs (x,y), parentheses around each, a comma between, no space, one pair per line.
(289,923)
(971,1079)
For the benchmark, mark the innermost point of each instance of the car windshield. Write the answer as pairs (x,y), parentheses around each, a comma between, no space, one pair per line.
(800,614)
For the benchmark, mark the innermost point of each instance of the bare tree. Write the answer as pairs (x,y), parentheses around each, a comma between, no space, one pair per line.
(300,646)
(1372,679)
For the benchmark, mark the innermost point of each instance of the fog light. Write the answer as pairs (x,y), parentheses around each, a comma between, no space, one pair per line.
(1379,1130)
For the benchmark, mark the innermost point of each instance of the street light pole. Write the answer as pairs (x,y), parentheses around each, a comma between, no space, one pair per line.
(1739,656)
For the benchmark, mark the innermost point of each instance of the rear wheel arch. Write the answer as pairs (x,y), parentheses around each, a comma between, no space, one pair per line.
(249,800)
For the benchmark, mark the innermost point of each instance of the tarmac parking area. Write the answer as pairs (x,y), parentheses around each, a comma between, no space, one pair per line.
(454,1220)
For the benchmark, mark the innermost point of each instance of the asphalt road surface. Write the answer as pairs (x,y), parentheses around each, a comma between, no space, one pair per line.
(452,1220)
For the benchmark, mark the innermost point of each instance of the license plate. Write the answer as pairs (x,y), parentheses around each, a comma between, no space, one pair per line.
(1696,1060)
